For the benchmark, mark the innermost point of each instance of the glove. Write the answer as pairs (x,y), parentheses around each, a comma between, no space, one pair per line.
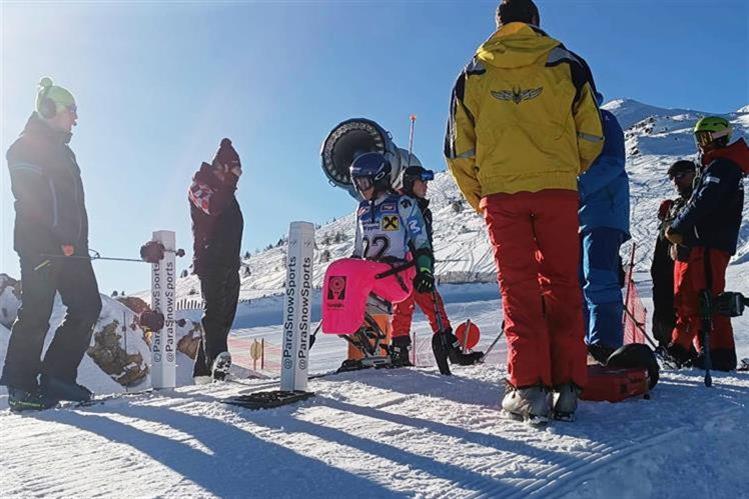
(664,208)
(152,252)
(674,237)
(424,281)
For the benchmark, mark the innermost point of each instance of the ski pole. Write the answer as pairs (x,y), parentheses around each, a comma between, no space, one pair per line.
(96,256)
(707,325)
(640,328)
(92,258)
(501,332)
(313,336)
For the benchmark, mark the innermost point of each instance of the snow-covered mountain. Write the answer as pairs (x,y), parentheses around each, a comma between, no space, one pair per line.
(655,138)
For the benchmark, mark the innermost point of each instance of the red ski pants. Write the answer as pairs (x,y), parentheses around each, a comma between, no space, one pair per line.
(537,253)
(690,278)
(403,312)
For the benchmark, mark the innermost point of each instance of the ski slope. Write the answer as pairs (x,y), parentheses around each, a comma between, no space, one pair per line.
(386,433)
(405,432)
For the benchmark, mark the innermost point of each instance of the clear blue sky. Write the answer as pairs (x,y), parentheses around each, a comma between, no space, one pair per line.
(159,84)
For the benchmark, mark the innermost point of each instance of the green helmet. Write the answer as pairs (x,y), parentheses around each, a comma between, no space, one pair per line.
(712,128)
(51,99)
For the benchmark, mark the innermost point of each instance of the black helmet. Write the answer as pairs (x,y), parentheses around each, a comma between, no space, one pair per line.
(413,173)
(371,169)
(681,166)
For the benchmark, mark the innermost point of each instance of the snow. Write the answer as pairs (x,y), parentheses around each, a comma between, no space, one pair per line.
(405,432)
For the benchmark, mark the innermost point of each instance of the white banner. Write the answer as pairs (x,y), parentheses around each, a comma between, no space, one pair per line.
(163,343)
(297,307)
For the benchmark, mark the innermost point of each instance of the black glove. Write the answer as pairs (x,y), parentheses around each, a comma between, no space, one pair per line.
(424,281)
(152,252)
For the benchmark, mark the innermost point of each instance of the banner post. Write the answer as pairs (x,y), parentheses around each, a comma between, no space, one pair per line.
(164,344)
(297,307)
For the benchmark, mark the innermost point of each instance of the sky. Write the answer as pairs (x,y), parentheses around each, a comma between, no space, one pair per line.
(158,84)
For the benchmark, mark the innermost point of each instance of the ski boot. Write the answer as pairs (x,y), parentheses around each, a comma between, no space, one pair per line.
(564,401)
(456,355)
(221,366)
(531,404)
(399,351)
(21,400)
(680,355)
(60,389)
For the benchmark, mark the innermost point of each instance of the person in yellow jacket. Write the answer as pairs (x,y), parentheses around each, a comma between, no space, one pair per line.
(523,125)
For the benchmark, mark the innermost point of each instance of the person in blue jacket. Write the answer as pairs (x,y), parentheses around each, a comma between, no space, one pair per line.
(604,226)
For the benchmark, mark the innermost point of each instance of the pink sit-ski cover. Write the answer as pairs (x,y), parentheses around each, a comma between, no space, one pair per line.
(347,285)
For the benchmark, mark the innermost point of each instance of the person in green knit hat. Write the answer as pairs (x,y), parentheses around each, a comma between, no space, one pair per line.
(51,239)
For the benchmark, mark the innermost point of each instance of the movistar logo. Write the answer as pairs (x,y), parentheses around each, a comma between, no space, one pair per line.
(517,95)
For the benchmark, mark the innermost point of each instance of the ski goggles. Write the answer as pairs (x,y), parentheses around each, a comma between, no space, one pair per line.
(420,173)
(363,183)
(705,137)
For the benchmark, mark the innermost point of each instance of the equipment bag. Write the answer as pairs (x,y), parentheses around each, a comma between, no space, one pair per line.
(629,372)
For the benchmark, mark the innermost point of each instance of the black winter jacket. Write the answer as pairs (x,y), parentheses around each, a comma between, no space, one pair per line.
(712,216)
(217,222)
(49,200)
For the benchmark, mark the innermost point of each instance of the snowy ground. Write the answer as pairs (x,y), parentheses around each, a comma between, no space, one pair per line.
(406,432)
(385,433)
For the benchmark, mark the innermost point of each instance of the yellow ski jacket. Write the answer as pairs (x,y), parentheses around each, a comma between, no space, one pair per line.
(523,117)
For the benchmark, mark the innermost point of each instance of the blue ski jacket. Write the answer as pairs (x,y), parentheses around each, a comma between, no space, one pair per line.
(604,187)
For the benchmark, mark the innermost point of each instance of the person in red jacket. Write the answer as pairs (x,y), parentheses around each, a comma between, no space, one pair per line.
(705,235)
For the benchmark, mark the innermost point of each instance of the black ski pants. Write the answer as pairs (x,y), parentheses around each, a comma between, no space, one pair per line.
(220,288)
(74,279)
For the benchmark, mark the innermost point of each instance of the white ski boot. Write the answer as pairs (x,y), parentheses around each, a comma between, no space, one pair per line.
(532,404)
(565,402)
(221,366)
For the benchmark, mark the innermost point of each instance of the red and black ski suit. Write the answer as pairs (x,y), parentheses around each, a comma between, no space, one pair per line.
(403,311)
(709,225)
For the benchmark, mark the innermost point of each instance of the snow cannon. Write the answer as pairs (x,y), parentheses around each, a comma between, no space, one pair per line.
(352,138)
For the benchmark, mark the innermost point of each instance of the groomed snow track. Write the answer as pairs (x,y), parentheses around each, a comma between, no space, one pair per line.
(405,432)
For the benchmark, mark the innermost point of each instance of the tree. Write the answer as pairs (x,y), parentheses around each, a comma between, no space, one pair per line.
(114,293)
(325,256)
(247,255)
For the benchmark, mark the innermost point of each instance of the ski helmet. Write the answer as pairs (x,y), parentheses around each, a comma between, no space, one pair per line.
(51,99)
(711,129)
(414,173)
(371,170)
